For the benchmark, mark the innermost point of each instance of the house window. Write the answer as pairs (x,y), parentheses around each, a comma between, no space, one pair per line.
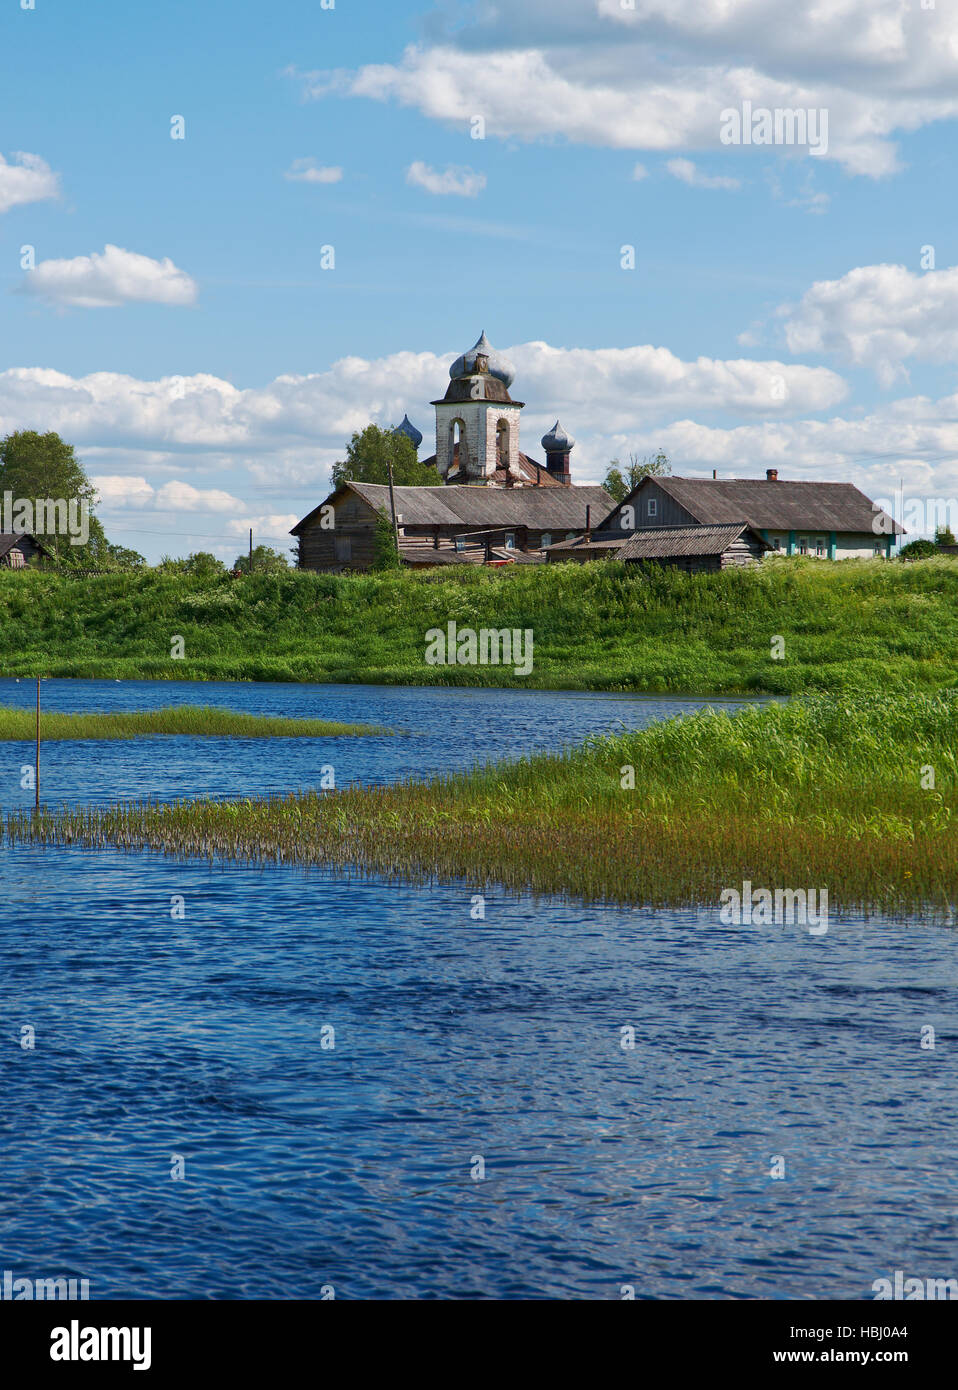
(778,542)
(570,535)
(803,545)
(653,506)
(510,540)
(879,547)
(820,545)
(460,543)
(344,549)
(546,538)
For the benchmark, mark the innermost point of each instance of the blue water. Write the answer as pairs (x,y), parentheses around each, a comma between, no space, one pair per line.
(455,1039)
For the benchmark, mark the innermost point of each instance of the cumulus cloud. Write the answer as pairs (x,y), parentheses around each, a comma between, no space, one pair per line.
(275,524)
(658,75)
(687,172)
(205,414)
(455,179)
(878,316)
(29,179)
(117,490)
(111,277)
(308,171)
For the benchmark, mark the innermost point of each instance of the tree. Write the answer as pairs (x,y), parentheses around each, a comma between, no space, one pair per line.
(120,558)
(42,466)
(385,544)
(369,453)
(917,550)
(618,483)
(200,563)
(945,536)
(265,561)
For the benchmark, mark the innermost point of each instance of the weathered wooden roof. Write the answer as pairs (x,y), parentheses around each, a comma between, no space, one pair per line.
(665,542)
(775,505)
(543,508)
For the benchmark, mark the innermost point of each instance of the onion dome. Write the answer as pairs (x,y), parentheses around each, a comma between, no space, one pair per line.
(409,430)
(557,441)
(496,365)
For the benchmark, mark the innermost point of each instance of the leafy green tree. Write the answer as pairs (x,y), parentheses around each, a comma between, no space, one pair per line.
(385,544)
(945,536)
(619,482)
(369,453)
(44,466)
(917,550)
(265,561)
(200,563)
(121,558)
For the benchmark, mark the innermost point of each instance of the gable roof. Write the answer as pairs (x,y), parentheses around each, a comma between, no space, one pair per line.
(662,542)
(542,508)
(773,505)
(8,539)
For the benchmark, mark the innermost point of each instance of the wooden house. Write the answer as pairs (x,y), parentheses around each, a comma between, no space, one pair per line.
(832,521)
(446,525)
(19,550)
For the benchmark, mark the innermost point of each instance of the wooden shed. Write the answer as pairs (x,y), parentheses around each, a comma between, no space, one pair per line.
(696,547)
(19,550)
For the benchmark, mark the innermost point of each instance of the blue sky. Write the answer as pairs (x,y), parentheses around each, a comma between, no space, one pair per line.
(209,370)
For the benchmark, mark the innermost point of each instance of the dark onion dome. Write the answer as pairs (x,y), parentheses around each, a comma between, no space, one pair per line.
(409,430)
(498,366)
(557,441)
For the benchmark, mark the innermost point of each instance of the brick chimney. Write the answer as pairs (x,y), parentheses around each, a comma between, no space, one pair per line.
(771,475)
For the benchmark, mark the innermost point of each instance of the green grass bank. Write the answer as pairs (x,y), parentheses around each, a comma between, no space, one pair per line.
(194,720)
(855,795)
(856,625)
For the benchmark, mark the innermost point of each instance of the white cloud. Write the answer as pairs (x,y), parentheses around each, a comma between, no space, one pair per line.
(29,179)
(878,316)
(302,415)
(178,496)
(111,277)
(308,171)
(456,179)
(640,172)
(115,490)
(273,525)
(118,491)
(658,76)
(687,172)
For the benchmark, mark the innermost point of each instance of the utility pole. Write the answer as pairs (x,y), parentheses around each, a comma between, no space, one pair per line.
(392,507)
(251,550)
(36,770)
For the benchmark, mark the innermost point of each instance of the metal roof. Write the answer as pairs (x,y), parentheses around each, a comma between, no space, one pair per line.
(774,505)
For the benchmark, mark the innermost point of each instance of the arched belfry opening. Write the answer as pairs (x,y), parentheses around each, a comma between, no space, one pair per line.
(458,447)
(502,444)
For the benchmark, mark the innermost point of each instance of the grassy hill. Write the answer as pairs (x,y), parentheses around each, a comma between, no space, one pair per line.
(859,624)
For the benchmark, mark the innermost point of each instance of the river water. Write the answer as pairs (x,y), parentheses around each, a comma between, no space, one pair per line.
(477,1129)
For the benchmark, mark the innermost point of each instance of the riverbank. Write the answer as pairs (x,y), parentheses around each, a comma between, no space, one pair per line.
(865,625)
(857,796)
(190,720)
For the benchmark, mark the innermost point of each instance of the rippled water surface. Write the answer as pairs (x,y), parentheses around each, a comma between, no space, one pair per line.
(455,1040)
